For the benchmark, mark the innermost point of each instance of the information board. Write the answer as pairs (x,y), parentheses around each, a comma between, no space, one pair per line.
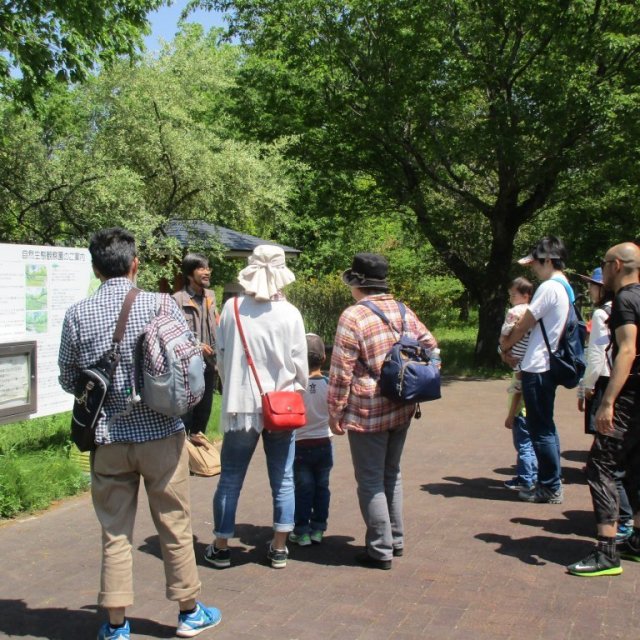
(38,285)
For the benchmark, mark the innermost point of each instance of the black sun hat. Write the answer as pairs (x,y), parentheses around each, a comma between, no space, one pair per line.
(368,271)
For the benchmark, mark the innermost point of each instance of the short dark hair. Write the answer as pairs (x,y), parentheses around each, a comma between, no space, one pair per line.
(522,286)
(112,252)
(607,296)
(315,351)
(551,246)
(372,291)
(191,262)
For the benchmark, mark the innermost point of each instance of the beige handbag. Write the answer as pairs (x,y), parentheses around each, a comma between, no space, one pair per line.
(204,458)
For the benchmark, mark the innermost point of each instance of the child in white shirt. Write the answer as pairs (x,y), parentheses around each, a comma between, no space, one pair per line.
(314,454)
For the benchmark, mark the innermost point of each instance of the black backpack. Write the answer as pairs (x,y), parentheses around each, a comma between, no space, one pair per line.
(407,374)
(567,363)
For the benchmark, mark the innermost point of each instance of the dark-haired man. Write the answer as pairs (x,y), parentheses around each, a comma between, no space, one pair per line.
(550,305)
(617,443)
(198,304)
(133,442)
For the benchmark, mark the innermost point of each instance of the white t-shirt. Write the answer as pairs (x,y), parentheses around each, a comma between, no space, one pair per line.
(315,402)
(550,304)
(597,358)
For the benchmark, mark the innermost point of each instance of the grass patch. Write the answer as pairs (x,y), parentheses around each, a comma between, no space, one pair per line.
(457,343)
(32,481)
(36,468)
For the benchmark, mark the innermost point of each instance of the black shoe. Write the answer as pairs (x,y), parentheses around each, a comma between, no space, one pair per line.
(398,552)
(597,563)
(629,552)
(219,558)
(365,560)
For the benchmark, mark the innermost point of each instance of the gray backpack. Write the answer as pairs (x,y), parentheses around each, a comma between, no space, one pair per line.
(169,366)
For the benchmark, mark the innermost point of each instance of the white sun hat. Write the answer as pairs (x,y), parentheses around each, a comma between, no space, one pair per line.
(266,274)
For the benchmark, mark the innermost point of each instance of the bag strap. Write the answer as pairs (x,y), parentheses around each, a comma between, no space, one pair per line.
(372,307)
(245,346)
(567,288)
(121,325)
(572,299)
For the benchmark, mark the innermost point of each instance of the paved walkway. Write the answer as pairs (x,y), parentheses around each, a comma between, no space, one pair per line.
(478,565)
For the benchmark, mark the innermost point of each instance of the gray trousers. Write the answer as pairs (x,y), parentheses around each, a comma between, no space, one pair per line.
(376,463)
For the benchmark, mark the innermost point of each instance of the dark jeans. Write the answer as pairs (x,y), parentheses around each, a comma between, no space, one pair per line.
(539,393)
(197,419)
(311,469)
(617,457)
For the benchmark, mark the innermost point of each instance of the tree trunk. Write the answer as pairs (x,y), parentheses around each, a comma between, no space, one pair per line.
(493,293)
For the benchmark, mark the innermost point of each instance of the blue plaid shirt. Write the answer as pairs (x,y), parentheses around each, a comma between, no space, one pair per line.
(87,334)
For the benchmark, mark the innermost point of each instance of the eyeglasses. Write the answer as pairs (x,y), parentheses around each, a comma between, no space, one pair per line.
(603,263)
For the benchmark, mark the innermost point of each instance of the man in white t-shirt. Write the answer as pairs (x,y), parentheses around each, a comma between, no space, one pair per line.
(550,305)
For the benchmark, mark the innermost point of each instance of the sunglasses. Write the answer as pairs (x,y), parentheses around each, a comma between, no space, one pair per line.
(603,263)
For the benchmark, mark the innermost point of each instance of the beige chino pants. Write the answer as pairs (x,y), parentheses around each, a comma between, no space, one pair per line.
(115,479)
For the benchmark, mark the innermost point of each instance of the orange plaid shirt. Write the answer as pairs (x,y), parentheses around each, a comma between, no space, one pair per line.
(362,341)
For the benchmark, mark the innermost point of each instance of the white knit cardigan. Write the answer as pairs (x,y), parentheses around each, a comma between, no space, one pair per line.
(276,338)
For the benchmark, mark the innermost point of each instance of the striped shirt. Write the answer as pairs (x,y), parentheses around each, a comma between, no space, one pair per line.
(87,334)
(514,315)
(362,341)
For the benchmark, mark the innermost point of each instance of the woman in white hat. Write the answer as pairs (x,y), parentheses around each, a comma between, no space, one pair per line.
(275,337)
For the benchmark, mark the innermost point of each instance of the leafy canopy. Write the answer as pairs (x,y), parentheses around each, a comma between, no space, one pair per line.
(66,39)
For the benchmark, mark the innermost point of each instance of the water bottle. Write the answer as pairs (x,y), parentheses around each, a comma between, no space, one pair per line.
(435,357)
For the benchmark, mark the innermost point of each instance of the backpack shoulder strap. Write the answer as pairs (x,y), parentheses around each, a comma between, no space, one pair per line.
(567,288)
(372,307)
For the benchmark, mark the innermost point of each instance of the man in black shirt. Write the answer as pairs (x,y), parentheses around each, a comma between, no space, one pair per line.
(617,443)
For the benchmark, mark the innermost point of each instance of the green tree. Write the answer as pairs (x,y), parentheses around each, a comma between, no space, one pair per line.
(479,115)
(43,39)
(138,146)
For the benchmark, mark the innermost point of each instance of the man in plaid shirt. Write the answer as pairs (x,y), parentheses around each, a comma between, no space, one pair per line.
(377,426)
(134,442)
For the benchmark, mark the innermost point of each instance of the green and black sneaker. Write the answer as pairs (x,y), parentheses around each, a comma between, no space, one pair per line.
(597,563)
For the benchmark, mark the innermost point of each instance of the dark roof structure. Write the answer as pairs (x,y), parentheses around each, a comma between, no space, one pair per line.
(239,245)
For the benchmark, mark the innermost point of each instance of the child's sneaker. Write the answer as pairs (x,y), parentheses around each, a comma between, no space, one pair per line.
(625,529)
(303,540)
(219,558)
(191,624)
(107,632)
(278,557)
(316,536)
(516,485)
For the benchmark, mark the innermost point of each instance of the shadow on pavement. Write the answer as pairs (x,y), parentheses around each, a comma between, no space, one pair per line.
(576,456)
(482,488)
(17,619)
(574,523)
(538,550)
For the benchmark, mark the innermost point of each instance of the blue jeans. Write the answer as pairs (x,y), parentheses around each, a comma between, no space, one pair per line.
(526,461)
(539,393)
(237,450)
(311,470)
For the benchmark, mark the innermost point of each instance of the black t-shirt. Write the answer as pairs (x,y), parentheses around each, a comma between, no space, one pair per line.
(626,310)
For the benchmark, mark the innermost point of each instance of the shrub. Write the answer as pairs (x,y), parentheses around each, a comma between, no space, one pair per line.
(321,301)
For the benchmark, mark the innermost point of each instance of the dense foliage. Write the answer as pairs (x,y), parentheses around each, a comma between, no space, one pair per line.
(446,134)
(478,115)
(58,40)
(138,146)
